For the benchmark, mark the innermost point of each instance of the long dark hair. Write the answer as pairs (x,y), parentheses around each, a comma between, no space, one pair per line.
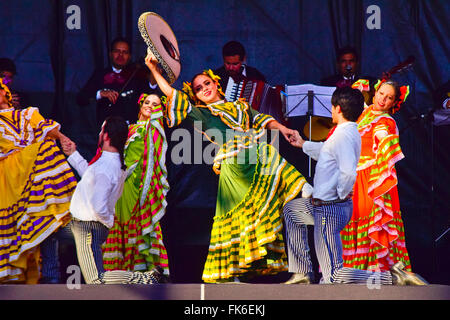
(351,102)
(117,130)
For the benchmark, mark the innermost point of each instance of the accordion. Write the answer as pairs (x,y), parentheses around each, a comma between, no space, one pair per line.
(258,94)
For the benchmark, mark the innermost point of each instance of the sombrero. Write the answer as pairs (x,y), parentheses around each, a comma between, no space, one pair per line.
(161,41)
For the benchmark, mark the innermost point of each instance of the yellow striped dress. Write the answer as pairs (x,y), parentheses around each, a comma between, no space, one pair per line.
(36,185)
(255,183)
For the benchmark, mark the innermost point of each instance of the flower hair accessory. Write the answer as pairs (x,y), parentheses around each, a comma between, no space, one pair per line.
(187,86)
(164,100)
(161,107)
(8,93)
(361,85)
(142,98)
(379,83)
(404,92)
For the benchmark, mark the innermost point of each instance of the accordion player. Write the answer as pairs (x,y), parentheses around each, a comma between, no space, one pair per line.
(258,94)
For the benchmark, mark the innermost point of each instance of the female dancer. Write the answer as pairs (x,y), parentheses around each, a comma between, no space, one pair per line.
(135,241)
(374,239)
(254,182)
(36,184)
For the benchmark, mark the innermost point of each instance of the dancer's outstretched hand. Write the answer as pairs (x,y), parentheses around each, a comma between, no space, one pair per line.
(68,147)
(297,140)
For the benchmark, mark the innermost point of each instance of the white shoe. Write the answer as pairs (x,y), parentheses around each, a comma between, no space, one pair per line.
(307,190)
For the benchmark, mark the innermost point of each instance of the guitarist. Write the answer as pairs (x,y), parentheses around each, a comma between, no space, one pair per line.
(116,89)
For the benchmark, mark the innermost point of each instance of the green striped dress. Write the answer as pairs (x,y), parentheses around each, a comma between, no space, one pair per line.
(254,184)
(135,242)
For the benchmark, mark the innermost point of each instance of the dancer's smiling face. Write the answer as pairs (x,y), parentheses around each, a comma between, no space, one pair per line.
(384,98)
(205,89)
(149,104)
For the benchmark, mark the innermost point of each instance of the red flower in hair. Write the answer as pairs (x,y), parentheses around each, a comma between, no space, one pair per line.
(404,92)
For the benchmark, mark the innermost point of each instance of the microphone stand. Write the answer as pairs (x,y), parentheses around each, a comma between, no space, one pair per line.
(428,118)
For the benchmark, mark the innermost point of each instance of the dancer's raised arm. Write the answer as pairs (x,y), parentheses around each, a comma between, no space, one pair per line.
(152,63)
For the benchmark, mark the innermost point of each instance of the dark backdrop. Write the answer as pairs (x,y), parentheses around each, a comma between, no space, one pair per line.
(290,42)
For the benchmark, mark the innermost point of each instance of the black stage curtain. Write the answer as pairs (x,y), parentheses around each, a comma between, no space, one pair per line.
(290,42)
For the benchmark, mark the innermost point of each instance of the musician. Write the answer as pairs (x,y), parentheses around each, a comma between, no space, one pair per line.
(109,87)
(234,57)
(347,65)
(441,96)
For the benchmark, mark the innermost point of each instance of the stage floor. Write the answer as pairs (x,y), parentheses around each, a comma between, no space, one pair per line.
(223,292)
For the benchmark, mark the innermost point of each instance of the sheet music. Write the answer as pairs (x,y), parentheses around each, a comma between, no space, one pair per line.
(297,100)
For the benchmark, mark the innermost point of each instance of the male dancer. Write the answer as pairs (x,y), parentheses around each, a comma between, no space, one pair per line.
(335,175)
(93,203)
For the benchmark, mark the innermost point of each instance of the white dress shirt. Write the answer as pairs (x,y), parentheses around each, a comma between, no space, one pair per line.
(337,159)
(99,189)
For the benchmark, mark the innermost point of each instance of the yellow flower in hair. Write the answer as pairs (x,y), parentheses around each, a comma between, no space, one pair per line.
(187,88)
(8,93)
(211,74)
(215,78)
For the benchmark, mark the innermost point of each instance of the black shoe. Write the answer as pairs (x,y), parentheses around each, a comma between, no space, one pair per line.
(403,278)
(157,275)
(300,278)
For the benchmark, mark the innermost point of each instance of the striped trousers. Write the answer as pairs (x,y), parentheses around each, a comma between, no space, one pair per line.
(89,237)
(328,221)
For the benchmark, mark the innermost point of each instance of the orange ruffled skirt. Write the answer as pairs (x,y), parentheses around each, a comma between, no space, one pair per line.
(374,239)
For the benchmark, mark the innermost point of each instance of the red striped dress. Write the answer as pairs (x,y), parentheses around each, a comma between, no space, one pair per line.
(374,239)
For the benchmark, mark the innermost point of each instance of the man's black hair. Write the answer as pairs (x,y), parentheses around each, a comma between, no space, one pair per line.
(351,102)
(233,48)
(7,64)
(120,39)
(346,50)
(117,130)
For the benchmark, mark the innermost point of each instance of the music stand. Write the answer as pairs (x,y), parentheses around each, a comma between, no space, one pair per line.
(440,117)
(296,105)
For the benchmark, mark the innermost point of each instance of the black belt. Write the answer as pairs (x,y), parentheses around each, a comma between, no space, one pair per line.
(317,202)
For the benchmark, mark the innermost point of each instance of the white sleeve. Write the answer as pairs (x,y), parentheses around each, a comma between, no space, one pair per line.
(347,161)
(100,196)
(77,161)
(312,149)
